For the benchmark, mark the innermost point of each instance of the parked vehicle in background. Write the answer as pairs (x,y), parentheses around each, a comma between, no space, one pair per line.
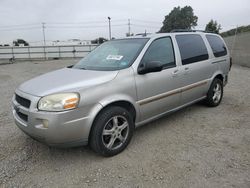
(20,42)
(121,85)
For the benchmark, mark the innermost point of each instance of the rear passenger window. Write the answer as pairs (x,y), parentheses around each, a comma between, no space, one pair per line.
(192,48)
(217,45)
(160,50)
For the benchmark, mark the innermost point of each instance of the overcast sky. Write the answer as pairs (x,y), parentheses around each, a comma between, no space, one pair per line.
(63,17)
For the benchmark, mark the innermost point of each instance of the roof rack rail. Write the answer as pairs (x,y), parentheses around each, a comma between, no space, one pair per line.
(143,34)
(186,30)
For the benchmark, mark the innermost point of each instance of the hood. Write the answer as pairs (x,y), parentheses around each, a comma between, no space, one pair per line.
(66,79)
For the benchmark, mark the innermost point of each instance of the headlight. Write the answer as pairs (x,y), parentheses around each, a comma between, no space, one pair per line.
(59,102)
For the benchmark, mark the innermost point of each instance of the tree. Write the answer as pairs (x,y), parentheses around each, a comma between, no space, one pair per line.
(213,27)
(179,18)
(237,30)
(99,40)
(129,34)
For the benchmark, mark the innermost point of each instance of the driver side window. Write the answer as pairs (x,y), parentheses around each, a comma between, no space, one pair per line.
(160,50)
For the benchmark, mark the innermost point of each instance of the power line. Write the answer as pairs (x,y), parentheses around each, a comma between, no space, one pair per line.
(145,26)
(62,27)
(82,23)
(84,27)
(21,25)
(147,21)
(54,24)
(15,29)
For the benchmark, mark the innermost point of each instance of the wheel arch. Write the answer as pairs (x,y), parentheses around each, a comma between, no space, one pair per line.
(124,103)
(218,75)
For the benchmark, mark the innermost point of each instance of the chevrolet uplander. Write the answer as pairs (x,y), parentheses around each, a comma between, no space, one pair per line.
(122,84)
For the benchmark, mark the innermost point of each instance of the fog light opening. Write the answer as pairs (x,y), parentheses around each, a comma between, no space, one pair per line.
(45,123)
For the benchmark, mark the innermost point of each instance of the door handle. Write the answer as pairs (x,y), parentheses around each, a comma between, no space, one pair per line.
(186,70)
(175,72)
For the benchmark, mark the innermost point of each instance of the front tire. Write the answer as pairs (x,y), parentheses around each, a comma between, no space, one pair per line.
(112,131)
(215,93)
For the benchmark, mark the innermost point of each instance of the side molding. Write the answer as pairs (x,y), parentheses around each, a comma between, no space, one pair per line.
(172,92)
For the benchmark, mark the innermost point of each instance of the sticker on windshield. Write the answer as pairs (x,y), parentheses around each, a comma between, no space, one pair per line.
(114,57)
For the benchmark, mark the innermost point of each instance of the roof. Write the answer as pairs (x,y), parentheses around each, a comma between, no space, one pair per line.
(173,33)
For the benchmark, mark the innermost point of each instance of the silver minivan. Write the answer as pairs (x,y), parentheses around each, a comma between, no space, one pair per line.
(121,85)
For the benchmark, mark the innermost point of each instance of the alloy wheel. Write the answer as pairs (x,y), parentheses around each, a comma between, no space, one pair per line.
(217,93)
(115,132)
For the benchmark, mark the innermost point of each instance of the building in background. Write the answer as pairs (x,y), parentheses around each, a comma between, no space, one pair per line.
(71,42)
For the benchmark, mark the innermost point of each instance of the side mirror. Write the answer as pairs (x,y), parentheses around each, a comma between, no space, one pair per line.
(152,66)
(70,66)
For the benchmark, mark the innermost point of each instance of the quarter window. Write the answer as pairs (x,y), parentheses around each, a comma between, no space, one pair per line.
(192,48)
(217,45)
(160,50)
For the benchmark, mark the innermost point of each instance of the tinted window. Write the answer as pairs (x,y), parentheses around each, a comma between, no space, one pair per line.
(192,48)
(217,45)
(160,50)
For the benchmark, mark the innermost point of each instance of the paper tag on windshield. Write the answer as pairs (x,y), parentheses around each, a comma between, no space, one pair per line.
(114,57)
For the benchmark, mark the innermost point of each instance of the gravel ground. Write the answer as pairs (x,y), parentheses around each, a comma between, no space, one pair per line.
(195,147)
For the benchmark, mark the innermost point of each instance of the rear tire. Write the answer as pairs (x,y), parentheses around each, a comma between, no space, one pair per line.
(215,93)
(112,131)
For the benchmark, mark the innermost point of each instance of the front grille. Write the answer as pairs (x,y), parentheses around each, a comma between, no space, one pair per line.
(22,116)
(22,101)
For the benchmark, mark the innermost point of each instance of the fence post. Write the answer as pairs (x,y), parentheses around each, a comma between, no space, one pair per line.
(12,51)
(59,51)
(74,51)
(44,50)
(29,52)
(235,34)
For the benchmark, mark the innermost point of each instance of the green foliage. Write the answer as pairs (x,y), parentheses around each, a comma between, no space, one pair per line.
(179,18)
(99,40)
(231,32)
(213,27)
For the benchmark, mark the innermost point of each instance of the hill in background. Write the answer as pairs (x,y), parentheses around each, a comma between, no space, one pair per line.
(241,29)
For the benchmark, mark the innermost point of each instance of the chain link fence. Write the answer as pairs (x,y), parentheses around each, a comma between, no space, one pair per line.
(45,52)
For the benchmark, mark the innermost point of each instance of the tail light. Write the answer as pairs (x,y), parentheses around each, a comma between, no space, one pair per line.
(231,62)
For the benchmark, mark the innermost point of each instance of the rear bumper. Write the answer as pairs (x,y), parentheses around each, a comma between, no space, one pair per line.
(225,80)
(62,129)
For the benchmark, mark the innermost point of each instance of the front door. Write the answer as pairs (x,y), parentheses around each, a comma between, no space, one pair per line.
(158,92)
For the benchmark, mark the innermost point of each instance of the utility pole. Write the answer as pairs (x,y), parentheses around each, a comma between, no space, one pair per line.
(129,27)
(44,40)
(109,28)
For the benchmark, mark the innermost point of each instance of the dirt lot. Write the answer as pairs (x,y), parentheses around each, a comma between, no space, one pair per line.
(195,147)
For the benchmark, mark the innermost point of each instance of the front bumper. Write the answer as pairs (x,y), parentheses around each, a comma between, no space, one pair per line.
(67,128)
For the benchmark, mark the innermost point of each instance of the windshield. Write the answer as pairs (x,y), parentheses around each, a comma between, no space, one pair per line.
(112,55)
